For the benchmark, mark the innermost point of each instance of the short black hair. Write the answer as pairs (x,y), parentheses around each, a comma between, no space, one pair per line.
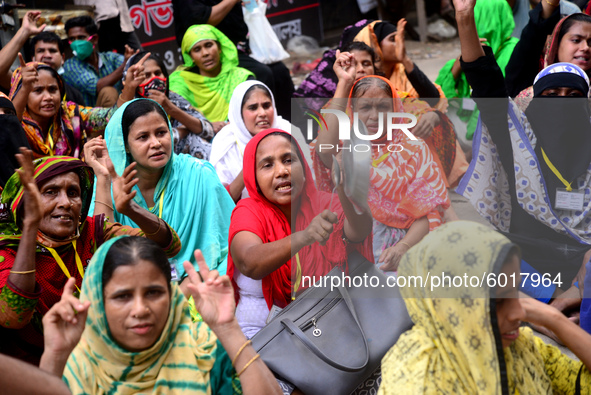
(47,37)
(127,251)
(82,21)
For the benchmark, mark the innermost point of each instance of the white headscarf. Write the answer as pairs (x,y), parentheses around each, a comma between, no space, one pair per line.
(227,148)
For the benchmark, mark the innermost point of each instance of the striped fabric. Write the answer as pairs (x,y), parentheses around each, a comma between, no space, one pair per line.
(187,358)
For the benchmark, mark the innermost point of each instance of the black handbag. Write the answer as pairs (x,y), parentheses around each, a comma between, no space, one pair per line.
(329,342)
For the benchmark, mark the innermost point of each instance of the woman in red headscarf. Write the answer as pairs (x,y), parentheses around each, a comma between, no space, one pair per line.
(286,224)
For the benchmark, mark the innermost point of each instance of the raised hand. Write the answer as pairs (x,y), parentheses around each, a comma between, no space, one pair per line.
(399,40)
(30,23)
(135,74)
(97,156)
(345,67)
(160,98)
(29,73)
(32,196)
(321,227)
(123,192)
(213,294)
(129,52)
(64,323)
(462,6)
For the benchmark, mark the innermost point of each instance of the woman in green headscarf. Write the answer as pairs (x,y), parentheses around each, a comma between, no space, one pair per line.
(139,336)
(210,73)
(494,22)
(466,337)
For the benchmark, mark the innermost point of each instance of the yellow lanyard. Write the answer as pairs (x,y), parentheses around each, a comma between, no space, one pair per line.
(382,158)
(161,204)
(62,265)
(298,276)
(556,172)
(50,141)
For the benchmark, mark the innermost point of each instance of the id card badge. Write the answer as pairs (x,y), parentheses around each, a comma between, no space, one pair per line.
(572,200)
(174,275)
(273,313)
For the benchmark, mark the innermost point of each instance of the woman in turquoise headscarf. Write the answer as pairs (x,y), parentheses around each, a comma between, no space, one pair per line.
(182,190)
(494,22)
(210,73)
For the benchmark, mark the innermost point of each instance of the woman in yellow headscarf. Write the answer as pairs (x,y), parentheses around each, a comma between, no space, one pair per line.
(467,337)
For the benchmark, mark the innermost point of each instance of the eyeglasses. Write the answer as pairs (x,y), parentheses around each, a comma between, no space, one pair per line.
(88,39)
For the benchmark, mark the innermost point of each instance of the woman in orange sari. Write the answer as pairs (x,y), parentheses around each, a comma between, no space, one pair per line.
(407,193)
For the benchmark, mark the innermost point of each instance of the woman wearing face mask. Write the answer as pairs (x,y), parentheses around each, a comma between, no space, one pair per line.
(252,110)
(527,170)
(210,72)
(191,130)
(469,340)
(139,336)
(53,126)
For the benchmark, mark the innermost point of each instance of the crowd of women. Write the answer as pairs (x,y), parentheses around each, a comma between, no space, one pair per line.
(142,246)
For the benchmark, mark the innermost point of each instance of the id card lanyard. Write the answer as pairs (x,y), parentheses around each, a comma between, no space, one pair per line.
(566,198)
(62,265)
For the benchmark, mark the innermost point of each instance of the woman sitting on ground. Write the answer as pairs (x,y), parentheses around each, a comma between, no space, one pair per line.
(469,340)
(181,189)
(191,130)
(53,126)
(48,238)
(526,168)
(407,195)
(252,110)
(139,336)
(285,229)
(210,72)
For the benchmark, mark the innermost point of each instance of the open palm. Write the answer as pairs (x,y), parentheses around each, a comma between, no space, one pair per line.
(213,294)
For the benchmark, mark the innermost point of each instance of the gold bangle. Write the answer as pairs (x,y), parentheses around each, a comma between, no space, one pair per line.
(157,230)
(248,364)
(405,243)
(553,5)
(105,204)
(23,272)
(246,343)
(339,106)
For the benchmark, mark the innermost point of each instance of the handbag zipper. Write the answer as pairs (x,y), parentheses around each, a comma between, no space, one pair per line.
(317,316)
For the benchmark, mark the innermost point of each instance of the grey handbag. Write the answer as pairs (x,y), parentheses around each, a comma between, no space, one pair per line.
(328,342)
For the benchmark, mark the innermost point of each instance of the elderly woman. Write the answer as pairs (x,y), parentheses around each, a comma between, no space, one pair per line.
(48,238)
(210,73)
(139,335)
(469,339)
(407,194)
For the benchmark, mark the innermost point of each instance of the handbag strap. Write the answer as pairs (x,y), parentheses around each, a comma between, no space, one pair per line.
(295,330)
